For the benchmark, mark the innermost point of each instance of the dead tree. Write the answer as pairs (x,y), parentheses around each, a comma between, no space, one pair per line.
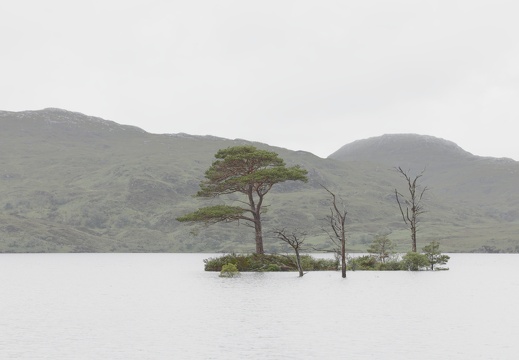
(295,241)
(337,221)
(412,204)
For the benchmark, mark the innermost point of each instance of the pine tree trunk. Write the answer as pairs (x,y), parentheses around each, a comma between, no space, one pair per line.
(259,243)
(259,235)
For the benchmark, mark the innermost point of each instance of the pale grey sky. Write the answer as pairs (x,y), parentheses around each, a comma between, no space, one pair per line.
(305,75)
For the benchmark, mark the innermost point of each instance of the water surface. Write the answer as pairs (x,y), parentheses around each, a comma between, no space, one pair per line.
(164,306)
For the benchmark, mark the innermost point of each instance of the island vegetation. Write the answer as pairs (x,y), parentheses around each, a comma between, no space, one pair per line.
(430,259)
(253,172)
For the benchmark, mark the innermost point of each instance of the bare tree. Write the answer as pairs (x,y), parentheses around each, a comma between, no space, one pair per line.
(337,220)
(295,241)
(411,207)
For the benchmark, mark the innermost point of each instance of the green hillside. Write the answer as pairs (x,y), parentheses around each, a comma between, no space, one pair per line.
(75,183)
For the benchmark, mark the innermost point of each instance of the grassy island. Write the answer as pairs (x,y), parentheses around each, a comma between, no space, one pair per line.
(269,262)
(411,261)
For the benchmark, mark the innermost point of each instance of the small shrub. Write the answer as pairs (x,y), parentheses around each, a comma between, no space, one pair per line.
(312,264)
(393,265)
(381,248)
(365,262)
(433,253)
(414,261)
(229,270)
(215,264)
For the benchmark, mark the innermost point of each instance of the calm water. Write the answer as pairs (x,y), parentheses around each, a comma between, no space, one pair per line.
(164,306)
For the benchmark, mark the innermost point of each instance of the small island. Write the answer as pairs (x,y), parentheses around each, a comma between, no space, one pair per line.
(380,260)
(253,172)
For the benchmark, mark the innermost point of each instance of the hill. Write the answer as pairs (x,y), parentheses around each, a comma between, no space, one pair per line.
(76,183)
(406,150)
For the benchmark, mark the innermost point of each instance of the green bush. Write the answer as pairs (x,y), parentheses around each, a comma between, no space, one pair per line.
(433,253)
(414,261)
(229,270)
(393,265)
(365,262)
(312,264)
(381,248)
(215,264)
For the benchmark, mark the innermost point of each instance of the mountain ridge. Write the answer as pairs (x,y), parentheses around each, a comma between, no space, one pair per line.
(61,116)
(387,142)
(98,186)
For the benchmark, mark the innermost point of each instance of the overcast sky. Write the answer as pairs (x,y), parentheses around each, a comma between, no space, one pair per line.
(304,75)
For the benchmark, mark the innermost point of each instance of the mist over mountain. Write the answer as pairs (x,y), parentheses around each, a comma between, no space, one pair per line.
(76,183)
